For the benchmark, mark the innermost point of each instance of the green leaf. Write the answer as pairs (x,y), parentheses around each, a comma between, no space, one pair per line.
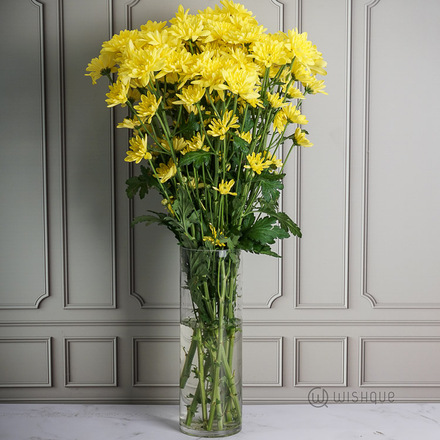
(284,221)
(248,221)
(270,189)
(190,127)
(147,219)
(142,183)
(240,143)
(248,123)
(263,231)
(135,184)
(197,158)
(257,248)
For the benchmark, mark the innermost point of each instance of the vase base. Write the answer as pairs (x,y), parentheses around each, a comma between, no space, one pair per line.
(209,434)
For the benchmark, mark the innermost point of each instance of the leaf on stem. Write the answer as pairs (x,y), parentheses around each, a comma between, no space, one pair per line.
(196,158)
(142,183)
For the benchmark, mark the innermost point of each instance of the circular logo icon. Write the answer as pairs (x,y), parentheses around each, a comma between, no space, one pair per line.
(318,397)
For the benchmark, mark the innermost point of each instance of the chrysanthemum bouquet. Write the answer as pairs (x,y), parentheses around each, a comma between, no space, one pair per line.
(209,99)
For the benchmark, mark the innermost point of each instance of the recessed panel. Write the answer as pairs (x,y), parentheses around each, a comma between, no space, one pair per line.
(401,153)
(400,362)
(23,234)
(155,283)
(156,362)
(324,168)
(90,362)
(320,361)
(262,361)
(88,160)
(25,362)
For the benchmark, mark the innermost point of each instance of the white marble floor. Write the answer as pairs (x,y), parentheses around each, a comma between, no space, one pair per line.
(260,422)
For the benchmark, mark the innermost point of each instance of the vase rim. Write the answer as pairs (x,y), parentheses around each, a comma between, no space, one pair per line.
(220,251)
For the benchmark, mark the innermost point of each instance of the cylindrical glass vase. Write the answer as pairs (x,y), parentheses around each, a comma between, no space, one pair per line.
(211,343)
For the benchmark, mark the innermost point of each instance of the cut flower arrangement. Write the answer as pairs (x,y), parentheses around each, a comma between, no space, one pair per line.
(209,98)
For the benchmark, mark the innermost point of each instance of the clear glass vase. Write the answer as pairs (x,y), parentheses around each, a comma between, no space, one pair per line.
(211,343)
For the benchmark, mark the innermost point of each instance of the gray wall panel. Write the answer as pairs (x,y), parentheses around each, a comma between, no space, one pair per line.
(23,213)
(88,167)
(25,362)
(352,306)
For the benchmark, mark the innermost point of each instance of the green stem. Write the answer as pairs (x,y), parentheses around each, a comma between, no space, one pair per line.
(186,370)
(193,407)
(201,375)
(230,381)
(216,408)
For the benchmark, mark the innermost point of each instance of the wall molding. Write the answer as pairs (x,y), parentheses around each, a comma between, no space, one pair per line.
(42,90)
(280,248)
(143,302)
(278,340)
(280,7)
(296,355)
(347,161)
(373,299)
(67,361)
(48,347)
(396,339)
(136,382)
(174,401)
(63,141)
(246,323)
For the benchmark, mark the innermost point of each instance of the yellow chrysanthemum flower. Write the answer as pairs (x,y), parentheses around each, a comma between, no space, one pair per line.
(275,100)
(148,106)
(186,26)
(245,136)
(153,26)
(235,9)
(300,138)
(208,69)
(193,184)
(294,115)
(218,30)
(132,124)
(300,72)
(272,159)
(159,38)
(176,63)
(179,143)
(190,95)
(280,121)
(303,49)
(318,67)
(224,188)
(257,163)
(245,32)
(214,237)
(100,66)
(195,144)
(289,113)
(293,92)
(138,145)
(315,86)
(243,83)
(140,64)
(219,128)
(117,95)
(119,41)
(270,51)
(169,205)
(166,171)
